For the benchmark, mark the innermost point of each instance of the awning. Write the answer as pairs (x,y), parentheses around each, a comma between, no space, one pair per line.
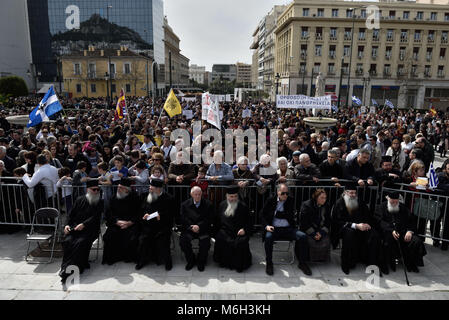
(45,88)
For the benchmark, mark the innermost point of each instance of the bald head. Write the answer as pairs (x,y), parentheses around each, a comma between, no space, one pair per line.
(196,193)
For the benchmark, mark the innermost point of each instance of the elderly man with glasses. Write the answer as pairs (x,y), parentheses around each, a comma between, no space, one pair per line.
(278,219)
(81,230)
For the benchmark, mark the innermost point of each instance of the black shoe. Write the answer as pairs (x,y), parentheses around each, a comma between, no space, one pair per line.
(444,246)
(200,267)
(168,265)
(393,265)
(139,266)
(269,269)
(436,243)
(384,269)
(190,265)
(415,269)
(345,269)
(305,268)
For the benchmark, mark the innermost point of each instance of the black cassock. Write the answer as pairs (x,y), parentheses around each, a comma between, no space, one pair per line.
(357,246)
(401,222)
(232,251)
(77,244)
(154,240)
(121,244)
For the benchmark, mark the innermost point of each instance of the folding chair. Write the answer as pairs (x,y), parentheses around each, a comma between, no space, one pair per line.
(43,215)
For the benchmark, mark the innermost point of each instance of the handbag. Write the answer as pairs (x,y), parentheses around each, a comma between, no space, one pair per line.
(427,208)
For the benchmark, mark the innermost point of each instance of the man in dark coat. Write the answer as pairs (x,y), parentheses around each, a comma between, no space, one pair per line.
(353,223)
(278,220)
(443,184)
(157,212)
(82,228)
(331,168)
(196,219)
(123,218)
(386,176)
(359,169)
(396,224)
(231,232)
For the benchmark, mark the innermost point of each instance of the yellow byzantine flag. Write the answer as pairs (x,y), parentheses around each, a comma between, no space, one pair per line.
(172,105)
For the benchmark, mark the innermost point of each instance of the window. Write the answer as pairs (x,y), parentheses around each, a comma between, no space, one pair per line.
(417,35)
(406,15)
(93,87)
(303,51)
(392,14)
(305,12)
(319,33)
(332,51)
(374,52)
(320,13)
(333,33)
(373,69)
(442,53)
(349,13)
(387,69)
(348,32)
(441,71)
(429,54)
(303,67)
(388,53)
(414,70)
(390,34)
(444,36)
(316,68)
(127,68)
(433,16)
(362,34)
(91,70)
(318,50)
(401,69)
(402,53)
(331,68)
(404,34)
(128,88)
(113,88)
(363,13)
(359,68)
(427,70)
(78,88)
(375,34)
(346,51)
(446,16)
(345,68)
(415,53)
(419,15)
(112,69)
(335,13)
(431,36)
(304,32)
(77,68)
(360,52)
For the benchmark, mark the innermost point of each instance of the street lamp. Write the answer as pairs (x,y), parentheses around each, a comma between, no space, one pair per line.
(108,80)
(350,57)
(341,78)
(366,82)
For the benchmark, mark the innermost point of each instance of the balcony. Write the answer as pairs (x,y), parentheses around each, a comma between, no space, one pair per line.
(331,72)
(375,38)
(440,74)
(333,38)
(428,57)
(417,40)
(305,37)
(444,41)
(91,75)
(374,57)
(362,38)
(427,74)
(359,72)
(347,37)
(390,39)
(404,39)
(401,57)
(360,55)
(318,36)
(387,73)
(414,75)
(331,55)
(373,73)
(303,56)
(430,40)
(388,56)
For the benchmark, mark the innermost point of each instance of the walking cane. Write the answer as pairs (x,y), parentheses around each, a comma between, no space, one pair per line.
(402,258)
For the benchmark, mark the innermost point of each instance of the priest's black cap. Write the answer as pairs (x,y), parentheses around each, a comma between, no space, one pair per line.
(232,189)
(393,195)
(158,183)
(126,182)
(92,183)
(350,185)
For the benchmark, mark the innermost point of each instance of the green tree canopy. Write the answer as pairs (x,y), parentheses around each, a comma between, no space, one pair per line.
(13,86)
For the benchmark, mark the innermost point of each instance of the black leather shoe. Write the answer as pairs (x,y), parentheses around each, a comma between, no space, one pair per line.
(200,267)
(269,269)
(139,266)
(345,269)
(189,265)
(168,265)
(305,268)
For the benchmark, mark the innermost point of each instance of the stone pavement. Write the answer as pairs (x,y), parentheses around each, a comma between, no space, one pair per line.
(19,280)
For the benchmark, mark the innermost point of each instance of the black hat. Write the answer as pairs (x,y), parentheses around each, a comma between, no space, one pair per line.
(92,183)
(232,190)
(393,195)
(125,182)
(158,183)
(386,159)
(351,185)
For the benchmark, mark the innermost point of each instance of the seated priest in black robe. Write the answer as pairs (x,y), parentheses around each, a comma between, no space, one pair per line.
(196,220)
(157,217)
(354,224)
(396,223)
(278,220)
(82,228)
(231,232)
(122,217)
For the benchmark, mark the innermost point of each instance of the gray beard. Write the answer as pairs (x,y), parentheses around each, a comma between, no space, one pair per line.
(152,197)
(351,204)
(120,195)
(92,199)
(230,209)
(392,209)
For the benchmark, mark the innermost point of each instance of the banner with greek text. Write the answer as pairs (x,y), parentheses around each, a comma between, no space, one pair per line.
(303,102)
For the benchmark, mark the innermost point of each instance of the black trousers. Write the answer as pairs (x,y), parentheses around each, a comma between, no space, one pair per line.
(186,246)
(154,247)
(412,251)
(360,246)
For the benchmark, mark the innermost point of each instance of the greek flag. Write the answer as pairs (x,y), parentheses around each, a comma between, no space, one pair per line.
(334,108)
(388,103)
(374,102)
(433,178)
(140,112)
(356,100)
(48,106)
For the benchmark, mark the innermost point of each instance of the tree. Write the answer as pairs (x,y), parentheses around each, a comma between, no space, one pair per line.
(14,86)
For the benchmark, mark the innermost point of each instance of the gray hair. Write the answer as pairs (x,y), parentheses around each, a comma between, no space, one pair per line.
(303,157)
(242,159)
(2,163)
(2,149)
(281,159)
(325,145)
(332,152)
(195,188)
(337,150)
(365,151)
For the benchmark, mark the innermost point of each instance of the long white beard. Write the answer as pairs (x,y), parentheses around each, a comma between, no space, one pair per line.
(230,209)
(152,197)
(120,195)
(92,198)
(352,204)
(391,208)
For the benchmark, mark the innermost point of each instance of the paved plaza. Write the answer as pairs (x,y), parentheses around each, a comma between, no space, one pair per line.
(19,280)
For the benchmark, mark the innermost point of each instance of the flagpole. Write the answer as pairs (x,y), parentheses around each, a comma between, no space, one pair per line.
(159,117)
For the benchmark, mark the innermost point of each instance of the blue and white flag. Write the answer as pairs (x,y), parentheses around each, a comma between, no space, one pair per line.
(334,108)
(48,106)
(140,112)
(433,178)
(356,100)
(374,102)
(388,103)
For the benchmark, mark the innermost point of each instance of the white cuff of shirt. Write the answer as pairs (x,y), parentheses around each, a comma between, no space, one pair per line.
(353,226)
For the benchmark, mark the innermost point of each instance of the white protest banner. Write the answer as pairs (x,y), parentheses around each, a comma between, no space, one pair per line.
(246,113)
(188,114)
(188,99)
(229,97)
(213,116)
(206,102)
(363,109)
(221,115)
(303,102)
(372,109)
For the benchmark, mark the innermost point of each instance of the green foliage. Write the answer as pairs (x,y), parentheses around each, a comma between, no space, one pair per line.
(13,86)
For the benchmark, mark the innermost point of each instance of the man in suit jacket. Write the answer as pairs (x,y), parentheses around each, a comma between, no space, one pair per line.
(278,219)
(195,219)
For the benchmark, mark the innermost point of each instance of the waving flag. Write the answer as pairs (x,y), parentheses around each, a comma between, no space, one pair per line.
(121,105)
(374,102)
(433,178)
(334,108)
(356,100)
(388,103)
(172,105)
(48,106)
(433,111)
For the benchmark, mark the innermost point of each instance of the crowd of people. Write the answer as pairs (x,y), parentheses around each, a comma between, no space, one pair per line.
(86,151)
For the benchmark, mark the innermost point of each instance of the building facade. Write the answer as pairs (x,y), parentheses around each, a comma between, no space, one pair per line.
(405,60)
(197,73)
(223,72)
(85,73)
(59,27)
(243,74)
